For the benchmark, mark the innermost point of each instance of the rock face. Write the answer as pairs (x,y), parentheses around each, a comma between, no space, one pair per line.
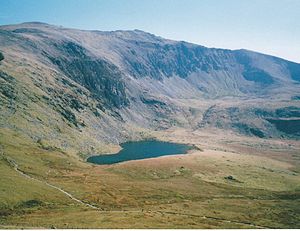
(101,78)
(108,85)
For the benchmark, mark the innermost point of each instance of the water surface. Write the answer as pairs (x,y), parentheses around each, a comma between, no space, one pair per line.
(137,150)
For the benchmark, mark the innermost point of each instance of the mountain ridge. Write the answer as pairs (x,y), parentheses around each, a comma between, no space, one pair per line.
(113,86)
(37,23)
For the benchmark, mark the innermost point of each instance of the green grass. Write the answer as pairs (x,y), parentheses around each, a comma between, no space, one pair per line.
(146,194)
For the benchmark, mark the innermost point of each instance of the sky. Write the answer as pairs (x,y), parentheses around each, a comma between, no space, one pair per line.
(267,26)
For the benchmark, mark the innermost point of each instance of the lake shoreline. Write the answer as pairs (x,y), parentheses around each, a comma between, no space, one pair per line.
(149,148)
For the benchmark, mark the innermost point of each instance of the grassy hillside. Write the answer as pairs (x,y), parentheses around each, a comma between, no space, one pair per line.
(185,191)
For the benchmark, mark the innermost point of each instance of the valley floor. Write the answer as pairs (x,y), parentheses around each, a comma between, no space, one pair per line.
(231,181)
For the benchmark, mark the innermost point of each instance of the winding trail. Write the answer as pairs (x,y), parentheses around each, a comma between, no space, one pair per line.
(57,188)
(14,165)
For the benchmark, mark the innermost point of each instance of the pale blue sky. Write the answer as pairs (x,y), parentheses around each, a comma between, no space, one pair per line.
(268,26)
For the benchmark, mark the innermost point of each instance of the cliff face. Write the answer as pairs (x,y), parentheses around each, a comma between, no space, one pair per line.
(101,78)
(108,85)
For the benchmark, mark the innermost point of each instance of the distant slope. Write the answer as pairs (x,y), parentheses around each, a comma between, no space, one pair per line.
(79,89)
(139,55)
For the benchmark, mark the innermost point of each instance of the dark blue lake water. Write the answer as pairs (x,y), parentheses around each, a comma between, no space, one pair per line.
(138,150)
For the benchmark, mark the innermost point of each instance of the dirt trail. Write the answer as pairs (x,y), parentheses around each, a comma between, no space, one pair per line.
(14,165)
(55,187)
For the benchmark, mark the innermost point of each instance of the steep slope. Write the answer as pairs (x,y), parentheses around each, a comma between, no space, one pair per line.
(107,87)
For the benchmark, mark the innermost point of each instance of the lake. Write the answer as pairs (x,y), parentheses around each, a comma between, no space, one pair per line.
(137,150)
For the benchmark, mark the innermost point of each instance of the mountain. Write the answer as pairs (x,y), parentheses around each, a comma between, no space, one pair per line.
(83,90)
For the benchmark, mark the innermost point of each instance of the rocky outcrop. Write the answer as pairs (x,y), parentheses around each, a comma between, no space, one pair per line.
(101,78)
